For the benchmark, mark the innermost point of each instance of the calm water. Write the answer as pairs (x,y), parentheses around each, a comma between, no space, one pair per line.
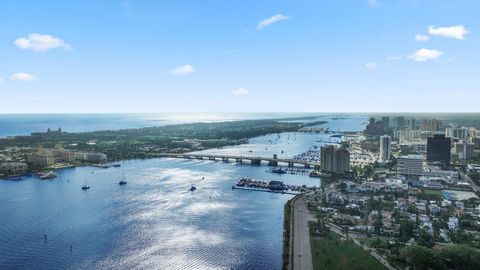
(153,222)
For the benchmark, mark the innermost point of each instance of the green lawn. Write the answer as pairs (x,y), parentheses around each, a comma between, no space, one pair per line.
(332,253)
(433,194)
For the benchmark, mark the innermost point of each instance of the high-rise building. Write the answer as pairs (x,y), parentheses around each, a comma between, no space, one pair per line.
(334,160)
(457,133)
(385,147)
(410,165)
(432,125)
(399,122)
(438,149)
(464,150)
(476,141)
(386,124)
(411,124)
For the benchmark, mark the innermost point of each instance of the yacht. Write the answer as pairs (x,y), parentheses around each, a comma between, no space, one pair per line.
(48,175)
(85,186)
(279,170)
(123,182)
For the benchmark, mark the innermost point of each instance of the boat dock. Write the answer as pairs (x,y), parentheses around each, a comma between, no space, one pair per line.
(279,170)
(272,186)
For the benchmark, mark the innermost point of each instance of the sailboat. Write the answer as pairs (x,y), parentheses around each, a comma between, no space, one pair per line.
(85,186)
(123,182)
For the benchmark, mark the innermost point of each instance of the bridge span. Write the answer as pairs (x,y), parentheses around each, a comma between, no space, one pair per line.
(241,159)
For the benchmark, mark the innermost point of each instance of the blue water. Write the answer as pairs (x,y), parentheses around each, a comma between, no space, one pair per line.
(153,222)
(24,124)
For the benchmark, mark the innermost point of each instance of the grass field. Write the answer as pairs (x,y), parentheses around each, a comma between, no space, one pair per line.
(332,253)
(433,194)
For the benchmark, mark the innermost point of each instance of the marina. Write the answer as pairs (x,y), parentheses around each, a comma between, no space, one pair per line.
(272,186)
(288,170)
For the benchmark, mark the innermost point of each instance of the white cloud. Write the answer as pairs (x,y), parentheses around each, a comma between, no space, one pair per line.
(425,55)
(421,38)
(276,18)
(182,70)
(240,92)
(395,57)
(39,42)
(456,32)
(371,65)
(22,77)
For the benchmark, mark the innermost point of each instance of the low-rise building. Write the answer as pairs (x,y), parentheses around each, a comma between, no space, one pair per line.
(13,168)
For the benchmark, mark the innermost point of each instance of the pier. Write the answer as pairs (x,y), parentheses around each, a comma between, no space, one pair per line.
(241,159)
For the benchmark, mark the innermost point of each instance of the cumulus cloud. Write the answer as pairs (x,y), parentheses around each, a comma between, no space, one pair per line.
(395,57)
(39,42)
(456,32)
(240,92)
(269,21)
(423,55)
(421,38)
(182,70)
(371,65)
(22,77)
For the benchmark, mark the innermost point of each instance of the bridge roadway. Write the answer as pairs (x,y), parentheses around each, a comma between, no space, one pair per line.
(239,159)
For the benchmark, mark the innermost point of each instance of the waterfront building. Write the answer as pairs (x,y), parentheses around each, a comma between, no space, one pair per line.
(410,165)
(95,157)
(334,160)
(438,149)
(385,147)
(62,155)
(41,158)
(13,168)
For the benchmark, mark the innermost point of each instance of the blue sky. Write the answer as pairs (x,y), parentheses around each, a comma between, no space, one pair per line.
(239,56)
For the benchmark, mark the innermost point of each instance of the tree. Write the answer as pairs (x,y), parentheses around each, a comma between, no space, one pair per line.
(425,239)
(422,258)
(378,224)
(461,257)
(406,230)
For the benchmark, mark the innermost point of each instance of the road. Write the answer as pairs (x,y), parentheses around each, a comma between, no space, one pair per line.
(466,178)
(301,236)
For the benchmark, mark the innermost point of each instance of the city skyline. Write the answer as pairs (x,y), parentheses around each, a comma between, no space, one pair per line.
(146,57)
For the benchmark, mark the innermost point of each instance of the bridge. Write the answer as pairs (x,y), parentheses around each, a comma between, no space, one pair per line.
(241,159)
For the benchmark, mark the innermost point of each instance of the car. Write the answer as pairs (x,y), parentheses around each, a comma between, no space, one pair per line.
(299,254)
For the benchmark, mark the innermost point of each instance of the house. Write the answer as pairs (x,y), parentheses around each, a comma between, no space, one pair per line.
(452,223)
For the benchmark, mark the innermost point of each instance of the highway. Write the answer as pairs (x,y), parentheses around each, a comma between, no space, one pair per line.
(302,254)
